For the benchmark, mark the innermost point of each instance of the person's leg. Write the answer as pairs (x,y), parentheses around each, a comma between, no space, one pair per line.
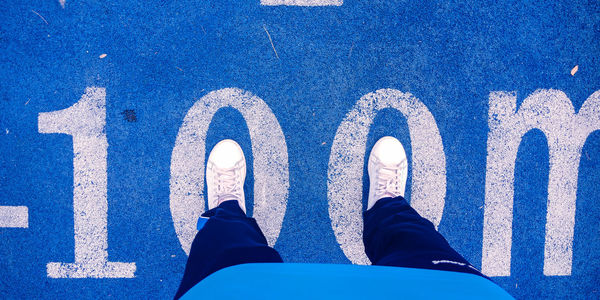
(229,237)
(394,233)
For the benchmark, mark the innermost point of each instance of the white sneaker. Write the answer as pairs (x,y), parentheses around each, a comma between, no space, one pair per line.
(388,170)
(225,174)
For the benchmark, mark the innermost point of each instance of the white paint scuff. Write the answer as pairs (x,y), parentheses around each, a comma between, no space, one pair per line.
(345,171)
(14,216)
(271,175)
(85,121)
(552,112)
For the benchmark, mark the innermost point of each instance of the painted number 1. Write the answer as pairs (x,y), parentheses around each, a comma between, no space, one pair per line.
(85,122)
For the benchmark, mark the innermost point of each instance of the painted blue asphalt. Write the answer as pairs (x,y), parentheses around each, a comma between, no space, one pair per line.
(161,56)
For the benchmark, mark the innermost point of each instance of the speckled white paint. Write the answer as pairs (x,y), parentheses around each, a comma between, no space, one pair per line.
(14,216)
(553,113)
(85,122)
(302,2)
(345,171)
(271,175)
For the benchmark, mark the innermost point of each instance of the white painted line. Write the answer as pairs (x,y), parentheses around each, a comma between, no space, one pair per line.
(14,216)
(300,2)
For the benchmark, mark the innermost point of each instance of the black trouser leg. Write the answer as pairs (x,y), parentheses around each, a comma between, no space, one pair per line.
(228,238)
(396,235)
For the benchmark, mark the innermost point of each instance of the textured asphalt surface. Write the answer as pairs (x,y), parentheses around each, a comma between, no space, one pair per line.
(162,56)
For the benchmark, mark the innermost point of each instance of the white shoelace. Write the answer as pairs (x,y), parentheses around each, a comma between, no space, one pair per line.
(389,180)
(228,184)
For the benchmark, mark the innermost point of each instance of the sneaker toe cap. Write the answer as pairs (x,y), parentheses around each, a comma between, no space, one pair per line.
(226,154)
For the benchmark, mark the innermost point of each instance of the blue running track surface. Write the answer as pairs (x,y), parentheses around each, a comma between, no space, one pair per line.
(108,110)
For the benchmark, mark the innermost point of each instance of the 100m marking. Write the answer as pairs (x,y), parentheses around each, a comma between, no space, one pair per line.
(550,111)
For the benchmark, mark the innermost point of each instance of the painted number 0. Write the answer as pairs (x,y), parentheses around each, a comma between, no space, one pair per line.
(345,173)
(271,175)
